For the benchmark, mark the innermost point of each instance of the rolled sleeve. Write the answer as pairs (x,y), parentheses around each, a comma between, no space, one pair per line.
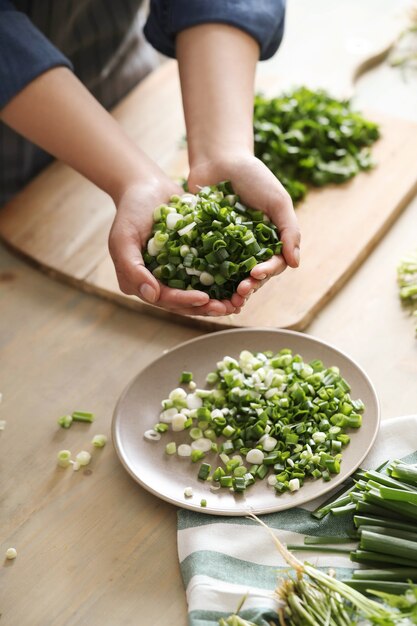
(262,19)
(25,52)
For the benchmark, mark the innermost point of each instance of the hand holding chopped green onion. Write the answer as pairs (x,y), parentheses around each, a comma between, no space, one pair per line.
(209,241)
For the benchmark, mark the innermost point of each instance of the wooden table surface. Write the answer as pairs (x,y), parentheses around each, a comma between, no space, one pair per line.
(93,547)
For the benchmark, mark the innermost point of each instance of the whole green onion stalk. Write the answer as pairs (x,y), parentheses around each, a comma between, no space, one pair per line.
(314,598)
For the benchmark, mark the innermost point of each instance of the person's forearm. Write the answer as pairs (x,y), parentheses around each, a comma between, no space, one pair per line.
(217,69)
(56,112)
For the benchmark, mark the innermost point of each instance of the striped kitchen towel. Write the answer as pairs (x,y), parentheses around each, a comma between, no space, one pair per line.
(224,558)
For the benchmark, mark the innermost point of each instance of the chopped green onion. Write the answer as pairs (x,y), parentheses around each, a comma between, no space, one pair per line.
(11,553)
(209,241)
(186,377)
(171,447)
(82,416)
(64,458)
(83,458)
(99,441)
(65,421)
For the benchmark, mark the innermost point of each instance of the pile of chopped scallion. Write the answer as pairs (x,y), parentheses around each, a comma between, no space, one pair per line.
(209,241)
(309,138)
(267,415)
(407,281)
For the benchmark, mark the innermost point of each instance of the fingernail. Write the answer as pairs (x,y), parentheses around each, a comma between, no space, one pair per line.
(262,277)
(148,293)
(297,255)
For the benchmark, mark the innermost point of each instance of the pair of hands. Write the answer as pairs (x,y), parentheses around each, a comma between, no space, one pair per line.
(257,187)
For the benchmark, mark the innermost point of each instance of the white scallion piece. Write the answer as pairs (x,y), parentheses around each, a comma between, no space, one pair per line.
(173,219)
(167,415)
(271,392)
(83,457)
(206,279)
(187,229)
(178,422)
(294,484)
(269,443)
(224,458)
(11,553)
(271,480)
(188,492)
(64,458)
(319,437)
(152,248)
(99,441)
(194,401)
(178,394)
(189,198)
(184,250)
(255,457)
(171,447)
(202,444)
(184,450)
(192,271)
(152,435)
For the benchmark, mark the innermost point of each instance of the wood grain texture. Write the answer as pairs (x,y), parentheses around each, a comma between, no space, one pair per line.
(61,221)
(93,548)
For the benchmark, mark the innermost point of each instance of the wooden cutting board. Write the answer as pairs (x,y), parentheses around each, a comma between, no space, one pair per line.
(60,221)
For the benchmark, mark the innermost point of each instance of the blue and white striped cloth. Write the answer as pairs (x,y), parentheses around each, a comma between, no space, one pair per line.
(224,558)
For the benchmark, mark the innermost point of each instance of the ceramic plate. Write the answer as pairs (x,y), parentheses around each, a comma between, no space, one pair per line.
(166,476)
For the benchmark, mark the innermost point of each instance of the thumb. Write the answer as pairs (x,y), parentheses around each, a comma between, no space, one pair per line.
(283,215)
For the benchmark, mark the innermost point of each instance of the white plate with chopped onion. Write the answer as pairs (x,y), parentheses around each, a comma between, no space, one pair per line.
(257,433)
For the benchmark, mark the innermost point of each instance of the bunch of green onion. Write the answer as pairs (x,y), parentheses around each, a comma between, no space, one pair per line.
(209,241)
(407,281)
(315,598)
(383,508)
(266,415)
